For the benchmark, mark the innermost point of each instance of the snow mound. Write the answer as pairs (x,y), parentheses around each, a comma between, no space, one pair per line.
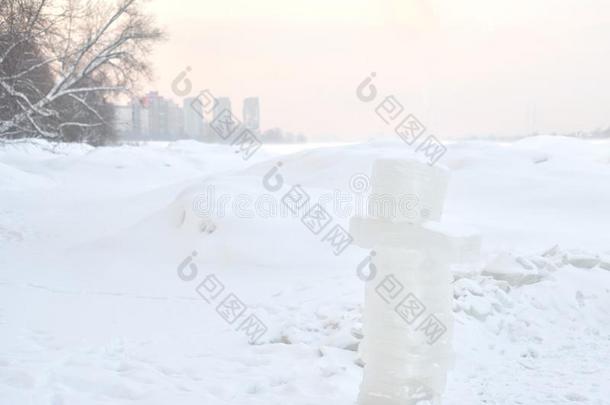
(15,179)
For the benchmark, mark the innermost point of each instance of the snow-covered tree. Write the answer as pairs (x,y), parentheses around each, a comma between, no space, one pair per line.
(61,60)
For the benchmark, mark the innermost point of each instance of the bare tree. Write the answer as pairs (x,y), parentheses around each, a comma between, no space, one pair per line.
(60,61)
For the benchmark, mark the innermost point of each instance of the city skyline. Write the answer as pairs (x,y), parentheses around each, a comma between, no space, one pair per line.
(157,117)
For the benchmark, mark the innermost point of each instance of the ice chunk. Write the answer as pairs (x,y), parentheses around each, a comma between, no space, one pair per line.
(516,270)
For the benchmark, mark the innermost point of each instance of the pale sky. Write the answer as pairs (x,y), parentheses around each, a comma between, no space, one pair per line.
(468,67)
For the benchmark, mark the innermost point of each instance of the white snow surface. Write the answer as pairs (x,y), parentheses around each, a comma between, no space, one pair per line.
(92,310)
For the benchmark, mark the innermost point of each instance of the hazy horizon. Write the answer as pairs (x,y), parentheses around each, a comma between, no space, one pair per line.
(477,68)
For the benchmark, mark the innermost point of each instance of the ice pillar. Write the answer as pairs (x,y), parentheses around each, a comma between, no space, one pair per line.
(407,320)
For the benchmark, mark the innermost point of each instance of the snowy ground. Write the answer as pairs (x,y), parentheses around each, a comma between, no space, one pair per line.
(92,310)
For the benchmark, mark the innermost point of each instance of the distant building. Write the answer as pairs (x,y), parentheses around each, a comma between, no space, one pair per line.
(221,124)
(123,121)
(157,115)
(140,114)
(193,118)
(222,103)
(175,121)
(251,114)
(165,121)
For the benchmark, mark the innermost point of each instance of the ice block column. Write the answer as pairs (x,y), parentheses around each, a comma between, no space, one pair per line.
(407,319)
